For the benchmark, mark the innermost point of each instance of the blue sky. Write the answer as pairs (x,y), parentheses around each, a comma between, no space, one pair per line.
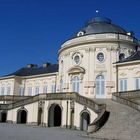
(32,31)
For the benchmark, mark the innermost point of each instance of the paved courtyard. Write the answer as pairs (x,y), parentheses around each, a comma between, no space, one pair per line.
(23,132)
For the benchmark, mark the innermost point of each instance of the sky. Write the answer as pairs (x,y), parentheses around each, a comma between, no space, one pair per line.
(32,31)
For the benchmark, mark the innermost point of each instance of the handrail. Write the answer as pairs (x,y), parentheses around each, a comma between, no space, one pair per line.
(125,98)
(58,96)
(12,97)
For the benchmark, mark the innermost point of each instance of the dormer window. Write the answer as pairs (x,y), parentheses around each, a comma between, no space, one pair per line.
(81,33)
(121,56)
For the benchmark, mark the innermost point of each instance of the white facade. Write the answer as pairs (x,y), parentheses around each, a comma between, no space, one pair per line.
(87,67)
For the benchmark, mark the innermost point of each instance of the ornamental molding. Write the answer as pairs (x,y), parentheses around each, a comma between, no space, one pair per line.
(90,50)
(123,74)
(67,53)
(76,70)
(132,68)
(76,53)
(41,104)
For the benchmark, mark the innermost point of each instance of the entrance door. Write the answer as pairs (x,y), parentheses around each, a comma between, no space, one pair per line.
(3,116)
(54,116)
(22,116)
(85,120)
(100,87)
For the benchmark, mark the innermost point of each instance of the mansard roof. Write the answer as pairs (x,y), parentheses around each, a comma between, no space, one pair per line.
(26,71)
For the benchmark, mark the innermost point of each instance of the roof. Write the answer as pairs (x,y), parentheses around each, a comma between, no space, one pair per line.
(102,25)
(35,71)
(134,57)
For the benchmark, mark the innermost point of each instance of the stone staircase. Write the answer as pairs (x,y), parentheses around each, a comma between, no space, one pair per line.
(98,108)
(123,123)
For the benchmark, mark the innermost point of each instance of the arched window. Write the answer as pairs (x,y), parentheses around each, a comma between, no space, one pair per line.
(75,84)
(61,85)
(100,86)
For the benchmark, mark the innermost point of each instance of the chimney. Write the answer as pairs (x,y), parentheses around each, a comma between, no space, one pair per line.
(45,65)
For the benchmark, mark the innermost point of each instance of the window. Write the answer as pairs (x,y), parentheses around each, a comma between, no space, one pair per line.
(100,86)
(2,90)
(77,59)
(100,57)
(75,84)
(53,88)
(8,90)
(81,33)
(36,90)
(21,91)
(137,83)
(123,85)
(121,56)
(30,91)
(61,85)
(45,89)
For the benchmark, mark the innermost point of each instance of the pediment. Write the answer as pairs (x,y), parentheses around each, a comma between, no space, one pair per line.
(75,70)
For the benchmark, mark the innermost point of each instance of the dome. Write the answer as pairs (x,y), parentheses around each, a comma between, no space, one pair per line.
(101,25)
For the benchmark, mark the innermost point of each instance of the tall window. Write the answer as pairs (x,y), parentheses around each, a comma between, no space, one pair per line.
(8,90)
(123,85)
(36,90)
(137,83)
(61,85)
(53,88)
(29,91)
(100,86)
(45,89)
(75,84)
(2,90)
(21,91)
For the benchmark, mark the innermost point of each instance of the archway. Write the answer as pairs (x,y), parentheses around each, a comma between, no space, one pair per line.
(39,116)
(100,86)
(85,121)
(3,116)
(22,117)
(55,114)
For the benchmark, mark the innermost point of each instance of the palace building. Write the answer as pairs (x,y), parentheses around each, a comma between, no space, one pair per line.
(102,58)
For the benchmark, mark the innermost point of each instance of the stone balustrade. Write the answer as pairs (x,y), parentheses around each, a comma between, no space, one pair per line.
(128,98)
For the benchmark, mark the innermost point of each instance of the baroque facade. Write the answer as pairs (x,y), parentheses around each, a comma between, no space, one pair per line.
(100,59)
